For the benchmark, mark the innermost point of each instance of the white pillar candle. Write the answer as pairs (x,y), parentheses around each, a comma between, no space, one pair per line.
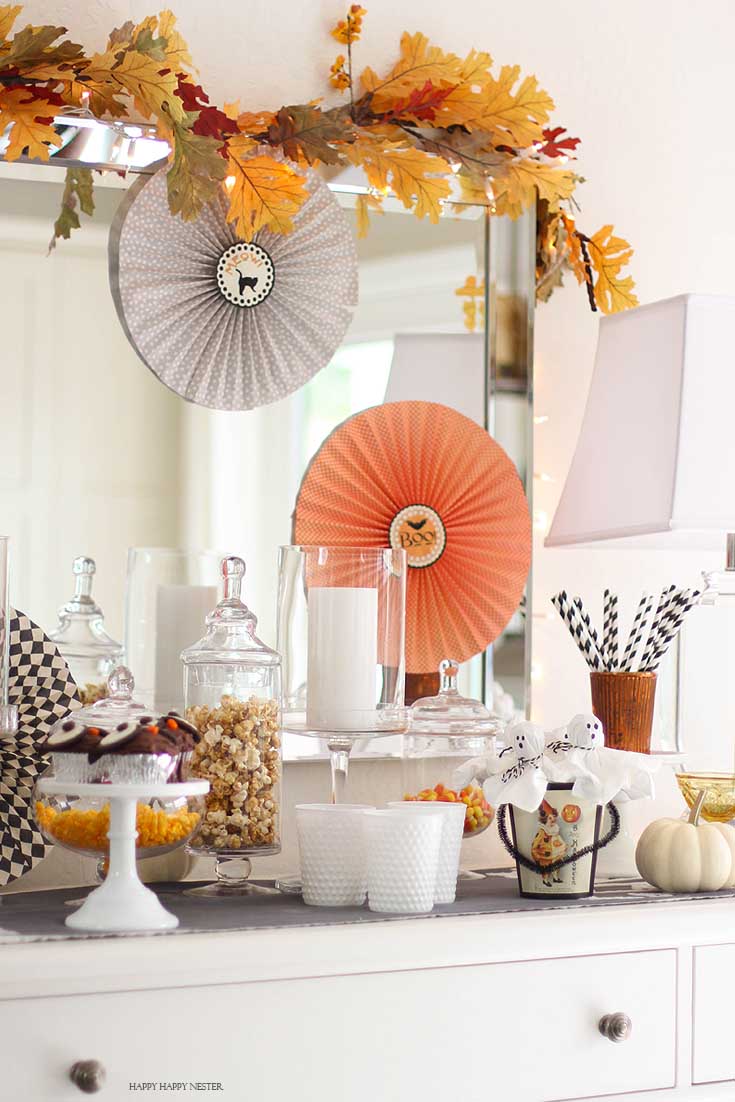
(180,614)
(342,659)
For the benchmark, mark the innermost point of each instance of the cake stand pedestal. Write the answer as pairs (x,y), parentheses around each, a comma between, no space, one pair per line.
(122,903)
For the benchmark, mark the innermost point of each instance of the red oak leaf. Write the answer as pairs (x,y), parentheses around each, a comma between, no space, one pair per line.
(555,148)
(422,103)
(210,121)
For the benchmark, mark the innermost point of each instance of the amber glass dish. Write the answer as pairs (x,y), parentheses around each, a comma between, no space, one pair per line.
(719,804)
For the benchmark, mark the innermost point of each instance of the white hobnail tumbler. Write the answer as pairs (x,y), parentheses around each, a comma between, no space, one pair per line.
(333,854)
(452,817)
(402,857)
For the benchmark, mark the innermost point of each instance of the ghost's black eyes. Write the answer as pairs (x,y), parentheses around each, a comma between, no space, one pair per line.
(589,726)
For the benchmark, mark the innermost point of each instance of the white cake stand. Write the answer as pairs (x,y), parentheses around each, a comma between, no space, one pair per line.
(122,903)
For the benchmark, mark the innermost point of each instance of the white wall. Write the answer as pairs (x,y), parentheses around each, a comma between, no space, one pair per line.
(646,85)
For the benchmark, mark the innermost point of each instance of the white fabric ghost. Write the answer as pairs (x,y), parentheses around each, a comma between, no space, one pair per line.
(601,774)
(516,775)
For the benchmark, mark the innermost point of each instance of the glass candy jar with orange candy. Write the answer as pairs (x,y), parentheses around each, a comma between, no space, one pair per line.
(446,731)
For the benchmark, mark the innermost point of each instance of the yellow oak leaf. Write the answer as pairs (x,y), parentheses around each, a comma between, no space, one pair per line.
(176,50)
(152,92)
(102,96)
(264,192)
(474,189)
(410,173)
(475,68)
(515,118)
(232,110)
(419,62)
(521,180)
(608,255)
(8,15)
(26,132)
(363,205)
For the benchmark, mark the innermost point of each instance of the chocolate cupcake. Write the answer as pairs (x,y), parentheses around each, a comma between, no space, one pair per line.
(71,745)
(117,741)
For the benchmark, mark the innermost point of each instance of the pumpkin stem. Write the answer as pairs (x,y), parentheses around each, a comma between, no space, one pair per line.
(697,808)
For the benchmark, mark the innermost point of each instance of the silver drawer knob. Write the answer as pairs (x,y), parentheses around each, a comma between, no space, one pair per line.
(616,1027)
(88,1075)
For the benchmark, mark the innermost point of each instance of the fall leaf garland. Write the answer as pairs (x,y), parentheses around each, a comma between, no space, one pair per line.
(433,117)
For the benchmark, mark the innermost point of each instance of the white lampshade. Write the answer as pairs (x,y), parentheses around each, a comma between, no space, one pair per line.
(655,459)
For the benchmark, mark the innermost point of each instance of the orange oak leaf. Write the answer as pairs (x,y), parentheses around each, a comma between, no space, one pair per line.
(254,122)
(31,125)
(263,192)
(608,255)
(575,256)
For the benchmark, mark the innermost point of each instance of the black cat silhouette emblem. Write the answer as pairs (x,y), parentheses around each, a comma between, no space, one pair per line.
(246,281)
(417,525)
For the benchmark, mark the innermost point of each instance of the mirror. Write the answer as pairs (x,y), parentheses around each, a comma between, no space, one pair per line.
(97,455)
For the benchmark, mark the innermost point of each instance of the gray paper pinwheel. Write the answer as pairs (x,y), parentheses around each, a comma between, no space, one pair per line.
(224,323)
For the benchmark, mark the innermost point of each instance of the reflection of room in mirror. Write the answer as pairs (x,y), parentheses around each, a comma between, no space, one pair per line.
(153,470)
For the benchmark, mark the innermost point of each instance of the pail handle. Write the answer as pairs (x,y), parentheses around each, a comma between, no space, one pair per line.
(570,858)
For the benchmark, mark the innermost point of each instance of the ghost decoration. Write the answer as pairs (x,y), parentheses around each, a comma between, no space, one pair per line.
(516,775)
(601,774)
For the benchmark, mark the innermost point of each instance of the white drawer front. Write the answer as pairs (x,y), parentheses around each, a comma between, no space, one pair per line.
(523,1031)
(714,979)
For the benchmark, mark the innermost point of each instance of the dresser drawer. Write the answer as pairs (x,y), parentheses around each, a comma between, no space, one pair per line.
(524,1031)
(713,1055)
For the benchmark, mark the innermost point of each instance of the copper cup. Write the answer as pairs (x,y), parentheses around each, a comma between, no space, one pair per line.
(624,704)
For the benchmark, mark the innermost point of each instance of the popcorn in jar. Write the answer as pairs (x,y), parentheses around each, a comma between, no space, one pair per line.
(232,689)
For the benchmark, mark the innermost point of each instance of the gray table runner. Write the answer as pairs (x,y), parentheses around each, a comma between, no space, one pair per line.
(39,916)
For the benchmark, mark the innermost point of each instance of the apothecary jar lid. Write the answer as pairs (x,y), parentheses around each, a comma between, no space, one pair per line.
(80,632)
(118,706)
(230,635)
(450,713)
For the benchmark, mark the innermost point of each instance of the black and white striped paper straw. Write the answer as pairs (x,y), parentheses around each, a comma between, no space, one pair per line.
(610,630)
(665,603)
(572,613)
(637,632)
(686,601)
(590,641)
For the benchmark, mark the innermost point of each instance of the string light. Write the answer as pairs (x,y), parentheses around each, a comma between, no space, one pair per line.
(540,520)
(542,476)
(541,419)
(230,182)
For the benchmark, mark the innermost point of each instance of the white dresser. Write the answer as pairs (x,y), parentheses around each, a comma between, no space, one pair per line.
(504,1008)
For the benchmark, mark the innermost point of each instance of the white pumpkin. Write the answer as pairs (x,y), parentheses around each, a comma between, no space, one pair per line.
(728,833)
(678,855)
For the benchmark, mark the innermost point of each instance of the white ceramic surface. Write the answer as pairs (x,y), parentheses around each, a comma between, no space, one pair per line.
(333,854)
(403,854)
(452,818)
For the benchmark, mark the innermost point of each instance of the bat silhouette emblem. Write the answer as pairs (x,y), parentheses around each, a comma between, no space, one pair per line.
(246,281)
(417,525)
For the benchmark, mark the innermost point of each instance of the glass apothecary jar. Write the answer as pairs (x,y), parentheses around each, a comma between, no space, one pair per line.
(78,819)
(89,652)
(232,692)
(447,733)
